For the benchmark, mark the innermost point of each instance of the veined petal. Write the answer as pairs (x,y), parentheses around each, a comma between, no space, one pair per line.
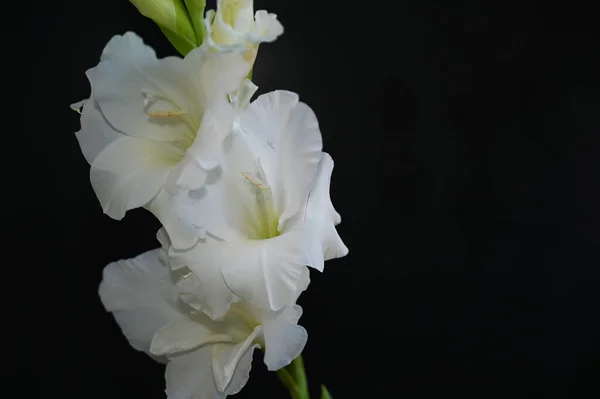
(285,135)
(186,333)
(130,71)
(232,21)
(162,104)
(234,24)
(165,241)
(207,150)
(203,286)
(128,46)
(237,13)
(127,174)
(132,289)
(241,98)
(262,125)
(284,341)
(321,213)
(266,273)
(232,363)
(302,286)
(231,43)
(176,214)
(190,376)
(220,73)
(187,175)
(96,133)
(267,27)
(223,206)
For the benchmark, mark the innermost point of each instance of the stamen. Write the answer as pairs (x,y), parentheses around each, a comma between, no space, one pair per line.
(255,181)
(166,113)
(151,96)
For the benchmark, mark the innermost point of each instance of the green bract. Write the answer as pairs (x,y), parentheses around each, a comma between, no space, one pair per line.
(325,393)
(196,11)
(174,20)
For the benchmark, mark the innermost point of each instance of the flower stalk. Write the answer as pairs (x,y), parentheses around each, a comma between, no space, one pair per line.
(293,377)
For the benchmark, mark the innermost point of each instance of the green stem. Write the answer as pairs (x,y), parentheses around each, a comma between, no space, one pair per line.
(293,376)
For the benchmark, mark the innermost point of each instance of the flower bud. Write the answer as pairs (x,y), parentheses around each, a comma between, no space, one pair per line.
(173,19)
(196,11)
(235,26)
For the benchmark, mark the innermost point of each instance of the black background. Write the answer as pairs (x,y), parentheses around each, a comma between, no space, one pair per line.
(466,137)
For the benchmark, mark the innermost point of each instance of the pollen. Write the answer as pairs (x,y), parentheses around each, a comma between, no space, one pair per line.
(255,181)
(166,113)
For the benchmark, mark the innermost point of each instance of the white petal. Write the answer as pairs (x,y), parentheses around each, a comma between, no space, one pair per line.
(230,26)
(244,94)
(267,28)
(187,175)
(163,238)
(285,135)
(223,27)
(132,289)
(127,175)
(320,212)
(303,283)
(207,150)
(190,376)
(232,362)
(242,17)
(129,69)
(229,42)
(177,216)
(266,273)
(220,73)
(290,314)
(185,334)
(262,124)
(96,133)
(284,341)
(128,45)
(213,76)
(223,204)
(242,372)
(204,288)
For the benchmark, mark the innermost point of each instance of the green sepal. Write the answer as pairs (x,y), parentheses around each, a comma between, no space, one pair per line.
(173,20)
(195,10)
(180,43)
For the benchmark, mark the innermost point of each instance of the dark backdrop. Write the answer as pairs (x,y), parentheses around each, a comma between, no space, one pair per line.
(466,138)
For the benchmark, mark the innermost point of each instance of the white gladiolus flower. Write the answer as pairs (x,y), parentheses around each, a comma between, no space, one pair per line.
(234,26)
(267,212)
(205,359)
(152,128)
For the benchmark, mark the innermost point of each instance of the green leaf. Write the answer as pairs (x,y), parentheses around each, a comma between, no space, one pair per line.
(325,393)
(196,12)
